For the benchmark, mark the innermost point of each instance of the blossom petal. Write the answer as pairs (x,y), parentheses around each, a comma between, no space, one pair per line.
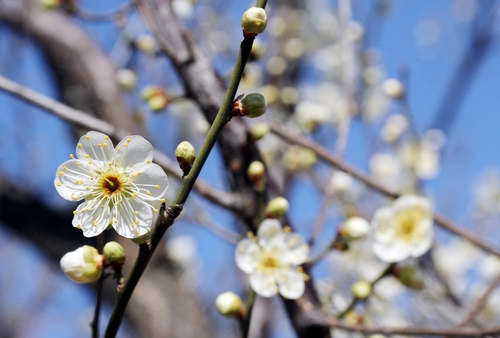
(93,217)
(406,202)
(97,146)
(383,226)
(391,252)
(290,283)
(247,255)
(424,243)
(72,178)
(151,181)
(132,150)
(267,230)
(297,250)
(264,283)
(132,218)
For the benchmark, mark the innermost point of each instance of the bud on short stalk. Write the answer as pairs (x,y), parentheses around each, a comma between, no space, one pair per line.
(185,154)
(276,207)
(229,304)
(84,265)
(114,252)
(253,105)
(253,22)
(257,172)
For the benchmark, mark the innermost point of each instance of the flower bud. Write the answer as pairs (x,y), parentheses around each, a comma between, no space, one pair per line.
(298,158)
(259,130)
(361,289)
(229,304)
(158,103)
(114,252)
(355,227)
(84,265)
(185,154)
(253,105)
(393,88)
(254,21)
(410,277)
(277,207)
(256,170)
(126,79)
(146,43)
(50,4)
(151,91)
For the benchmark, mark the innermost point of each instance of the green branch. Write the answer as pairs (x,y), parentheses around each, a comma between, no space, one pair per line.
(168,215)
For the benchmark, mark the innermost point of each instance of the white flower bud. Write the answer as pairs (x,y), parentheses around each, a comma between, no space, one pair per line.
(126,79)
(393,88)
(259,130)
(361,289)
(277,207)
(84,265)
(355,227)
(254,21)
(185,154)
(394,127)
(341,182)
(146,43)
(229,304)
(114,252)
(253,105)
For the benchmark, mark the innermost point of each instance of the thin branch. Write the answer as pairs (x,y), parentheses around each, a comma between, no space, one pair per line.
(338,162)
(122,10)
(319,319)
(227,200)
(476,308)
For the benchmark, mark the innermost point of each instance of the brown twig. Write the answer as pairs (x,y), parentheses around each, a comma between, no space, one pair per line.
(474,310)
(338,162)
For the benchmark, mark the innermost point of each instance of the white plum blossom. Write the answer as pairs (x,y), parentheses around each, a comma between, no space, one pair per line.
(403,229)
(121,187)
(272,259)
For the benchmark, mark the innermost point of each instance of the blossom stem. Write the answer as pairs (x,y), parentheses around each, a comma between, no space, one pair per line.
(248,313)
(168,215)
(355,300)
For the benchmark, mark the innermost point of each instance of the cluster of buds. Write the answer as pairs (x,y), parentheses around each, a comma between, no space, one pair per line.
(85,264)
(156,97)
(253,105)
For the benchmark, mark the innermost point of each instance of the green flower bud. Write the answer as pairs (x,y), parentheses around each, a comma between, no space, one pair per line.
(259,130)
(256,171)
(361,289)
(254,21)
(410,277)
(50,4)
(277,207)
(185,154)
(114,252)
(158,103)
(84,265)
(253,105)
(229,304)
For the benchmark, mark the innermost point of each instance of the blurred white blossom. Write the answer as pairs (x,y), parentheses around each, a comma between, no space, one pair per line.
(403,229)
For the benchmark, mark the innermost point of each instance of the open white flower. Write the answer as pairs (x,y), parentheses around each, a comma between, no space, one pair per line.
(121,186)
(403,230)
(272,260)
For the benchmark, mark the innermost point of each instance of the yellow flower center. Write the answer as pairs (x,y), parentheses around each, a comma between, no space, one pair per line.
(111,184)
(268,261)
(407,222)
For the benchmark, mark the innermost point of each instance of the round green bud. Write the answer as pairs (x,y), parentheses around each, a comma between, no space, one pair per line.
(84,265)
(229,304)
(157,103)
(50,4)
(277,207)
(185,154)
(113,252)
(259,130)
(256,170)
(253,105)
(361,289)
(254,21)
